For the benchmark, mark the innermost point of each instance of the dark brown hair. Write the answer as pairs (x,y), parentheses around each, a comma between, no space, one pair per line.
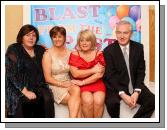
(25,30)
(56,29)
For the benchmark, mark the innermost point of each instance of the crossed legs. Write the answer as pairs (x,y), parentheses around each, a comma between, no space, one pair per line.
(72,99)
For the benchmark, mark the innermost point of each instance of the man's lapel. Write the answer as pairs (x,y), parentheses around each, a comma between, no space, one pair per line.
(131,55)
(120,56)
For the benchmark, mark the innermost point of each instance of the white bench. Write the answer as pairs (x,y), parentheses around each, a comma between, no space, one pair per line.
(61,111)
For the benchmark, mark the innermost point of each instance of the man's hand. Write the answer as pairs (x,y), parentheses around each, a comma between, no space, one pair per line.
(134,98)
(128,100)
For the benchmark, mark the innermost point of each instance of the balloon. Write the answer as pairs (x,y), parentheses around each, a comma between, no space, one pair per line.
(131,21)
(113,20)
(135,12)
(136,36)
(138,25)
(122,11)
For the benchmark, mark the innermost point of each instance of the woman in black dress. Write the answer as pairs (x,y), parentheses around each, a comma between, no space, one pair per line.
(27,94)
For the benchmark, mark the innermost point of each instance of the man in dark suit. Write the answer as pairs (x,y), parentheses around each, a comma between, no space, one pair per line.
(125,73)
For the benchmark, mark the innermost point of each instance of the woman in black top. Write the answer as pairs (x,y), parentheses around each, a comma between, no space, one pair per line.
(27,95)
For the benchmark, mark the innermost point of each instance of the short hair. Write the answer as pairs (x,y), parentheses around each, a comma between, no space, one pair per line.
(56,29)
(88,35)
(25,30)
(122,22)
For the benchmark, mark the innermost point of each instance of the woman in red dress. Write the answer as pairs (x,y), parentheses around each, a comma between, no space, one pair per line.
(87,68)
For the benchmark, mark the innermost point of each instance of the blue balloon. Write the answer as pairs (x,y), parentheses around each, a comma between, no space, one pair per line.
(136,36)
(131,21)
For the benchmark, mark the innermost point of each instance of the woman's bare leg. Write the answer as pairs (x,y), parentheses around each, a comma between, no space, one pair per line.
(98,103)
(87,104)
(73,101)
(79,115)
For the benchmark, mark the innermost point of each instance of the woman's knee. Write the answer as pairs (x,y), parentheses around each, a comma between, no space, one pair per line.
(99,99)
(75,90)
(87,100)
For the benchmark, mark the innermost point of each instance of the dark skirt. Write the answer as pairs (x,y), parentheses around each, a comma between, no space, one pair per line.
(41,107)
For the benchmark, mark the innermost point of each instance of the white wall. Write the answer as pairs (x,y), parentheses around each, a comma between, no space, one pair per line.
(26,14)
(145,38)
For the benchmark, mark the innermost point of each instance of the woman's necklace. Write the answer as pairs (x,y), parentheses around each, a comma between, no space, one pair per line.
(88,56)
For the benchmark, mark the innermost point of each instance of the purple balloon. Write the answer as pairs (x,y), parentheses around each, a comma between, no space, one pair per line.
(135,12)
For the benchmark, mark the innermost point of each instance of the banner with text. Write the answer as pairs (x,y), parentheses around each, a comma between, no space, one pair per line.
(101,19)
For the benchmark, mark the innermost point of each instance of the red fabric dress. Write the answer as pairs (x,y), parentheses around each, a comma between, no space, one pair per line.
(79,62)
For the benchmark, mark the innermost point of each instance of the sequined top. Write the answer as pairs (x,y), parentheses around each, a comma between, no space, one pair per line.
(61,72)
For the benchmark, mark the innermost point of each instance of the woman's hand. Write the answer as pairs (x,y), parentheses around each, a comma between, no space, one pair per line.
(29,94)
(78,82)
(66,84)
(98,68)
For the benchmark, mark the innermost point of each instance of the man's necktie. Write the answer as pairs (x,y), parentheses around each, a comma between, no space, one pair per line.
(127,64)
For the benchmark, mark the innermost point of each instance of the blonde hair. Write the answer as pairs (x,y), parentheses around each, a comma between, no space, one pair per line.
(89,36)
